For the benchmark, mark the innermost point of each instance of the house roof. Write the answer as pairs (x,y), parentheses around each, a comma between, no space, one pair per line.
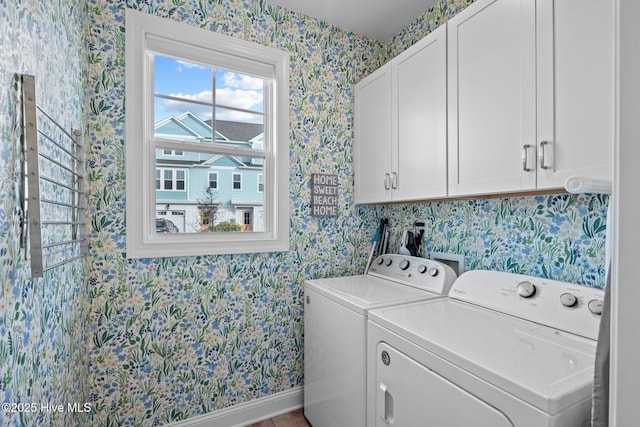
(188,125)
(238,131)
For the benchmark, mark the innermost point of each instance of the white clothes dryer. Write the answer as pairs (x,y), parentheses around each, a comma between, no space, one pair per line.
(504,350)
(335,322)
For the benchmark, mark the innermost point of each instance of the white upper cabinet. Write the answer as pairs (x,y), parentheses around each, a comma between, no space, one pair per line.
(530,94)
(492,97)
(372,144)
(400,126)
(420,89)
(575,90)
(508,96)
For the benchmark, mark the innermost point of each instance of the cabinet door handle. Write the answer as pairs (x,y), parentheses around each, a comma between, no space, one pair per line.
(541,155)
(394,180)
(387,181)
(525,158)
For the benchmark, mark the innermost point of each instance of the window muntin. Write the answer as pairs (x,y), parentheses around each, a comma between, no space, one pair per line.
(148,38)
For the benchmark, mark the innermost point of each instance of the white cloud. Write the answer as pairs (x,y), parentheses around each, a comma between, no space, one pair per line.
(182,65)
(177,107)
(245,99)
(238,116)
(238,98)
(241,81)
(204,96)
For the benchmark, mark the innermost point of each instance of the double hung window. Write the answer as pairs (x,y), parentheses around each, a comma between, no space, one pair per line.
(203,113)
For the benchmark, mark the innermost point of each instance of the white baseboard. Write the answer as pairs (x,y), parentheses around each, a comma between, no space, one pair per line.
(250,412)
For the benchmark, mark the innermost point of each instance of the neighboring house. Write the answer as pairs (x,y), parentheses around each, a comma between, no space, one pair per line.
(182,177)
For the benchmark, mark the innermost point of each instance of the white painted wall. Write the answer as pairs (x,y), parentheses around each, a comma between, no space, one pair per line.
(625,345)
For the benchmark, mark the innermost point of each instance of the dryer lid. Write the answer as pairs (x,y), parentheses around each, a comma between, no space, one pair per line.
(548,368)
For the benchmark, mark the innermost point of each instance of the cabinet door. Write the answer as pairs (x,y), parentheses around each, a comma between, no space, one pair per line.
(420,88)
(575,89)
(372,137)
(492,97)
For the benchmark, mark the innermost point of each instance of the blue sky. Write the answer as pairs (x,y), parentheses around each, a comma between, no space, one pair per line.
(194,82)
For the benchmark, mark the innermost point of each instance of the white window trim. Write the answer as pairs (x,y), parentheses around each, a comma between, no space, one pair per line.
(144,31)
(209,180)
(260,181)
(173,153)
(233,181)
(174,179)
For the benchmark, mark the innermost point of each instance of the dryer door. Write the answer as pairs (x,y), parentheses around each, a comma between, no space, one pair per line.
(409,395)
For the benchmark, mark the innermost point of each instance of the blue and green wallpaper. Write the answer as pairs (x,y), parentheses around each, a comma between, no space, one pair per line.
(147,342)
(43,322)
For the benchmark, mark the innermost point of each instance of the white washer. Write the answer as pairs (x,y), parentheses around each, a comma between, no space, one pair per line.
(504,350)
(335,322)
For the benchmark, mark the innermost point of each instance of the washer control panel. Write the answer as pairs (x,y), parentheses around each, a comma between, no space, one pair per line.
(418,272)
(566,306)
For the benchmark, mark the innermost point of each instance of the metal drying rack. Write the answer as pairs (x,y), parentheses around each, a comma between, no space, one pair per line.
(55,201)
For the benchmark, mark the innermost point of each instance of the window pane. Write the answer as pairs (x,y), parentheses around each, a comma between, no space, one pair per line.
(213,180)
(168,180)
(239,129)
(180,78)
(183,99)
(209,193)
(239,91)
(182,120)
(180,185)
(237,181)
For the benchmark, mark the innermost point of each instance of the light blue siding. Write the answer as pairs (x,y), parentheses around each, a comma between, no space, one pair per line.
(200,165)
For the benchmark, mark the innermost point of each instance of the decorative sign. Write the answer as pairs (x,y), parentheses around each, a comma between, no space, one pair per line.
(324,194)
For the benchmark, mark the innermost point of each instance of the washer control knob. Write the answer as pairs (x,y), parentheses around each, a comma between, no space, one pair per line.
(380,260)
(422,269)
(526,289)
(433,272)
(388,262)
(404,264)
(568,300)
(595,306)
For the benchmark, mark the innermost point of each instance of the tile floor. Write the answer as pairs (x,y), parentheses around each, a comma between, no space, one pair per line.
(291,419)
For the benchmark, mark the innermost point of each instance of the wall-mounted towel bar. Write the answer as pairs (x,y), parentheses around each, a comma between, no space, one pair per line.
(55,201)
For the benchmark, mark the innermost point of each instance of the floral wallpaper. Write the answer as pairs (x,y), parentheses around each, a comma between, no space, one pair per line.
(43,322)
(175,338)
(178,337)
(152,341)
(561,237)
(437,15)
